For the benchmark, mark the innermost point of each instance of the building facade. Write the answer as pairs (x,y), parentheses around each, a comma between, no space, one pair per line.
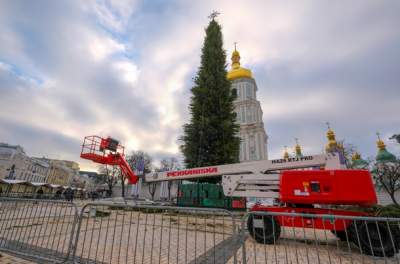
(16,165)
(59,173)
(253,145)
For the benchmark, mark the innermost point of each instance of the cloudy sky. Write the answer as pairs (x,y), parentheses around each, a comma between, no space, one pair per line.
(124,68)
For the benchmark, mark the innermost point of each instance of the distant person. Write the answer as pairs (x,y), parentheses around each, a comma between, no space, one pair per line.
(69,195)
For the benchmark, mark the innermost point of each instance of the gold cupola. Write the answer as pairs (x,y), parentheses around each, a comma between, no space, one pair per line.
(356,156)
(236,71)
(380,144)
(332,145)
(297,149)
(383,155)
(285,153)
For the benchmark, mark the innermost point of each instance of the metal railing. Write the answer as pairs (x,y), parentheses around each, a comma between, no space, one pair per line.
(38,196)
(111,233)
(274,238)
(106,232)
(40,229)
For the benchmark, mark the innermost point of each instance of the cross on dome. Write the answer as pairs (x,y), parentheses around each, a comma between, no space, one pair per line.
(214,14)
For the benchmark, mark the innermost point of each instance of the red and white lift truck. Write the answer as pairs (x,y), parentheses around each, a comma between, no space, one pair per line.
(107,151)
(308,185)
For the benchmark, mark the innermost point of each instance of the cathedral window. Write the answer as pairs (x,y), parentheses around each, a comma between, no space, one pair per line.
(234,93)
(248,115)
(248,92)
(252,148)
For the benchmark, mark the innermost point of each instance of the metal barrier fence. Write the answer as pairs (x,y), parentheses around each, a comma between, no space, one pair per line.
(110,233)
(48,196)
(39,229)
(105,232)
(274,238)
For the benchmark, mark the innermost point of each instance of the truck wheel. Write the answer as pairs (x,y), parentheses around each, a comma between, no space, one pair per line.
(375,239)
(263,228)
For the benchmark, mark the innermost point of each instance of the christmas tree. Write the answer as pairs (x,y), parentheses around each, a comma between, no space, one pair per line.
(211,136)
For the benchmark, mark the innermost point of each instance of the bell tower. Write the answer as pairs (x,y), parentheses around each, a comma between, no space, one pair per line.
(253,145)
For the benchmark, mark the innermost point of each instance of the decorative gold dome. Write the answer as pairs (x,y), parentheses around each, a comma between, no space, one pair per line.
(356,156)
(236,71)
(298,149)
(357,162)
(332,144)
(285,154)
(383,155)
(380,144)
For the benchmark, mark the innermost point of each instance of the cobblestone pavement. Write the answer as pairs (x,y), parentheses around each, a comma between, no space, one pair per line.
(8,259)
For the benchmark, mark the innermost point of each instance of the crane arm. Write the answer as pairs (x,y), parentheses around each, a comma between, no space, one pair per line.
(126,170)
(251,179)
(107,151)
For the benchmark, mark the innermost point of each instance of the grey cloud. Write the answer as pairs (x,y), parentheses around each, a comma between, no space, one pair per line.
(40,142)
(349,50)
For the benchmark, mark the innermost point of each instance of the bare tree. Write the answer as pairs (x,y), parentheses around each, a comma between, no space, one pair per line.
(140,162)
(347,150)
(109,175)
(169,164)
(387,175)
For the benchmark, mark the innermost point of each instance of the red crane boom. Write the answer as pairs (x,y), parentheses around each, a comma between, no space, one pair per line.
(107,151)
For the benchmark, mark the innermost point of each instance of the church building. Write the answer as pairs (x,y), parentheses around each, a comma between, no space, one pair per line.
(253,144)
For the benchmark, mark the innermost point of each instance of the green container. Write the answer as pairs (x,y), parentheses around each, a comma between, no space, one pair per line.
(203,195)
(211,191)
(185,201)
(215,203)
(188,195)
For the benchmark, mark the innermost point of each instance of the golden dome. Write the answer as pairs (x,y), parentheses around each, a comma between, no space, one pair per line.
(380,144)
(285,154)
(298,149)
(236,71)
(356,156)
(383,155)
(332,144)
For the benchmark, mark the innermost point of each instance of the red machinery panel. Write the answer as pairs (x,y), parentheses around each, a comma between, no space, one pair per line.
(345,187)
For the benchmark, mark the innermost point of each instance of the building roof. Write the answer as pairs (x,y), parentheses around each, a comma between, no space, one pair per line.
(9,181)
(384,155)
(357,162)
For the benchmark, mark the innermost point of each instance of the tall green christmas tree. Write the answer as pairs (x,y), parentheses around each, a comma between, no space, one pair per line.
(211,136)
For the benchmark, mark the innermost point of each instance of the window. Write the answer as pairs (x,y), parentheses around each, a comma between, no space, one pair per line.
(234,93)
(315,187)
(248,115)
(244,151)
(252,148)
(249,91)
(241,151)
